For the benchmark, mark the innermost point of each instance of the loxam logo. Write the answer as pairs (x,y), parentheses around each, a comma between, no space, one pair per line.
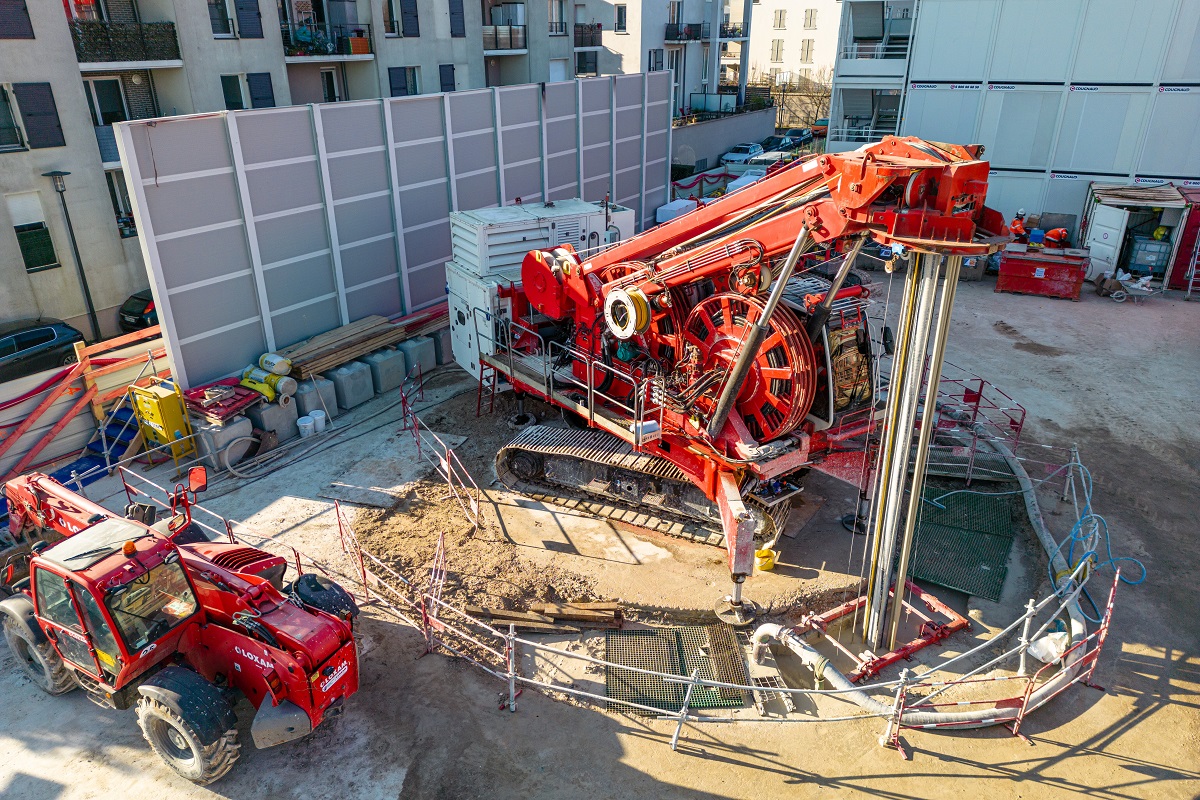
(259,660)
(336,676)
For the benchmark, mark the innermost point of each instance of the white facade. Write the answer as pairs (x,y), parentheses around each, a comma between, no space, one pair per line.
(1060,94)
(794,41)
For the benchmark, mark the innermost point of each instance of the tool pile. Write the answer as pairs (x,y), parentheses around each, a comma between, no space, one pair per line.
(549,617)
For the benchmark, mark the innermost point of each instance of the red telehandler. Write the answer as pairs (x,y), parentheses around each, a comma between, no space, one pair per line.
(154,615)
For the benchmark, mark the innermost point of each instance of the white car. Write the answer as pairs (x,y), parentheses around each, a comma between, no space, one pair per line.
(771,158)
(741,153)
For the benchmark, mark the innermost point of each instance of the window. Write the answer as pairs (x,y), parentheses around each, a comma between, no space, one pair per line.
(806,51)
(446,77)
(777,49)
(14,20)
(774,73)
(146,612)
(39,115)
(34,338)
(103,641)
(654,62)
(106,100)
(231,88)
(330,87)
(55,607)
(780,19)
(458,23)
(220,19)
(262,94)
(586,64)
(704,65)
(558,11)
(390,26)
(33,237)
(810,18)
(118,192)
(673,15)
(10,131)
(403,81)
(619,27)
(806,74)
(410,25)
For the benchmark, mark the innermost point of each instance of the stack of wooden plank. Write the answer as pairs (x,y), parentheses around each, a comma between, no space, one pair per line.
(425,321)
(550,617)
(334,348)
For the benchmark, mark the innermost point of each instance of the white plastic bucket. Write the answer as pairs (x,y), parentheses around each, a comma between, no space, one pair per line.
(318,418)
(306,426)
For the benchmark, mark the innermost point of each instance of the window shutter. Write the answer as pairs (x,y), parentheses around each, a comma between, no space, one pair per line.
(249,20)
(39,115)
(398,79)
(446,72)
(458,23)
(14,20)
(410,24)
(262,95)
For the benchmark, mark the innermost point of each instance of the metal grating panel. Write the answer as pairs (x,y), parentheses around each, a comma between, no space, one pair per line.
(710,649)
(965,545)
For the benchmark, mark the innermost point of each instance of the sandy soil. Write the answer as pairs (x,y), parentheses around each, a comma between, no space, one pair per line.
(1120,380)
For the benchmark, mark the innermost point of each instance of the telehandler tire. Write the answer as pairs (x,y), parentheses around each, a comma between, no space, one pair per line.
(40,661)
(178,744)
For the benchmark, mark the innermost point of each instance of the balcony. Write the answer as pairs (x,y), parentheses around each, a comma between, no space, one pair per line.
(558,28)
(875,50)
(683,32)
(587,35)
(733,30)
(860,134)
(731,54)
(317,41)
(504,39)
(125,43)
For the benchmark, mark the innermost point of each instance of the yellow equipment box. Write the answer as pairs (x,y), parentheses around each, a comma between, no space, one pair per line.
(163,418)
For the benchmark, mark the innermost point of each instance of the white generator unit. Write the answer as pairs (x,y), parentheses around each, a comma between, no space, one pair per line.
(488,245)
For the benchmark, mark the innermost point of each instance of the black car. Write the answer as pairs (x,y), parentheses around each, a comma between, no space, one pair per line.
(138,312)
(801,135)
(32,345)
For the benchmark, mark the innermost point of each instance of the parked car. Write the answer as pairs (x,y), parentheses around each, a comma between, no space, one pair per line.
(821,127)
(779,143)
(741,153)
(772,158)
(138,312)
(800,135)
(32,345)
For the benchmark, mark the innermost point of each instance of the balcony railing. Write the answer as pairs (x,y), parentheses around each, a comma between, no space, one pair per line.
(316,40)
(875,50)
(683,32)
(126,41)
(732,30)
(861,133)
(503,37)
(587,35)
(558,28)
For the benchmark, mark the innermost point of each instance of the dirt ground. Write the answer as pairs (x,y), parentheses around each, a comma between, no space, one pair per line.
(1122,381)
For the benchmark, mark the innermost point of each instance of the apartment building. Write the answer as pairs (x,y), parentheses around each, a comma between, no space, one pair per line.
(794,41)
(1061,94)
(69,71)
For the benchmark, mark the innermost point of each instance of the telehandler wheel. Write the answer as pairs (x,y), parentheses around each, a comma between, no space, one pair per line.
(40,661)
(177,743)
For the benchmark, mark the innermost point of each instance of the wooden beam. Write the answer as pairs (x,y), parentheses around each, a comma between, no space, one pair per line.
(27,459)
(121,341)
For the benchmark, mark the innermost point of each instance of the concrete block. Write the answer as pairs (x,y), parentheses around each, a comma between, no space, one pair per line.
(276,417)
(213,441)
(421,351)
(352,384)
(317,394)
(442,345)
(387,369)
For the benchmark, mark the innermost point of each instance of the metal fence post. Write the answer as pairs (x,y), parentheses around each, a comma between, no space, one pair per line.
(1029,612)
(511,647)
(687,698)
(891,736)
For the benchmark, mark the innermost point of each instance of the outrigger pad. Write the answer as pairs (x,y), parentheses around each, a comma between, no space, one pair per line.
(278,724)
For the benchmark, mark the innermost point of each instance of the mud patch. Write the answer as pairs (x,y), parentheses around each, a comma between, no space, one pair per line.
(1024,343)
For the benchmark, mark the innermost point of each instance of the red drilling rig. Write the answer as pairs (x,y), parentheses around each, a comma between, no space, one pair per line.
(710,374)
(153,615)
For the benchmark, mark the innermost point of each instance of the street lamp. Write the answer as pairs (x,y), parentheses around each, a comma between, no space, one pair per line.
(60,185)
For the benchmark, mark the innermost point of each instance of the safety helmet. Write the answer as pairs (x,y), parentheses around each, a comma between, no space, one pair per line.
(1021,212)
